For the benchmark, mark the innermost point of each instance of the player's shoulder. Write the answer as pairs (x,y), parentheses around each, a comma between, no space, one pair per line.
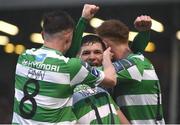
(138,56)
(28,52)
(141,61)
(138,59)
(75,62)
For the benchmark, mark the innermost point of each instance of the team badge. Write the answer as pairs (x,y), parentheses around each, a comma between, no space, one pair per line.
(40,57)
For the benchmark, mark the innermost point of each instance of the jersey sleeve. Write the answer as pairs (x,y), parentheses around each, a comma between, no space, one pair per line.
(127,70)
(140,42)
(77,38)
(82,73)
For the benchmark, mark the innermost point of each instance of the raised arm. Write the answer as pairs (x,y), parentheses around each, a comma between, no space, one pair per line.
(143,25)
(87,13)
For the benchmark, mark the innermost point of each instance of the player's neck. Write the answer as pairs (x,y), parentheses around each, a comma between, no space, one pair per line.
(128,51)
(54,44)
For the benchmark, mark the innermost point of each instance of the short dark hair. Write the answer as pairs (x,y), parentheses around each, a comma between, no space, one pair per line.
(92,39)
(114,29)
(57,21)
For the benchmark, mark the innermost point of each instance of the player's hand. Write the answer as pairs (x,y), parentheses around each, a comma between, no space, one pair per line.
(143,23)
(107,54)
(89,11)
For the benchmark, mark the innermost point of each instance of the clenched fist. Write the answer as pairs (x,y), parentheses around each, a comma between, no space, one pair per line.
(89,11)
(143,23)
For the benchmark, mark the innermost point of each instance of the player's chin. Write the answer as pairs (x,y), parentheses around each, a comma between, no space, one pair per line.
(96,64)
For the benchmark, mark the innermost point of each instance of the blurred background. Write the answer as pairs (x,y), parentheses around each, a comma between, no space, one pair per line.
(20,25)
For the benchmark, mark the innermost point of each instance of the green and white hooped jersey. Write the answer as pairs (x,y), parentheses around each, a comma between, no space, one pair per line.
(44,85)
(94,106)
(138,89)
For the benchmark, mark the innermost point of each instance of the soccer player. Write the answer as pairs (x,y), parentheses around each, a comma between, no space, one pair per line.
(45,78)
(95,105)
(138,90)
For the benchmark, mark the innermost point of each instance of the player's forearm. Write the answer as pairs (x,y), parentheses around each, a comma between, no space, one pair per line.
(110,74)
(140,42)
(122,117)
(77,37)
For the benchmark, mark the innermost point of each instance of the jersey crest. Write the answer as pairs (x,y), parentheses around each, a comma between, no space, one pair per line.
(40,57)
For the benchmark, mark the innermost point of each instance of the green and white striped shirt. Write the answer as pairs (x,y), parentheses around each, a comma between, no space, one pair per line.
(104,107)
(137,90)
(44,85)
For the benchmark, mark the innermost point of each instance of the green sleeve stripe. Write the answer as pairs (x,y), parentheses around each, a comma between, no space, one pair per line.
(80,76)
(77,37)
(74,64)
(82,73)
(140,42)
(90,80)
(123,75)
